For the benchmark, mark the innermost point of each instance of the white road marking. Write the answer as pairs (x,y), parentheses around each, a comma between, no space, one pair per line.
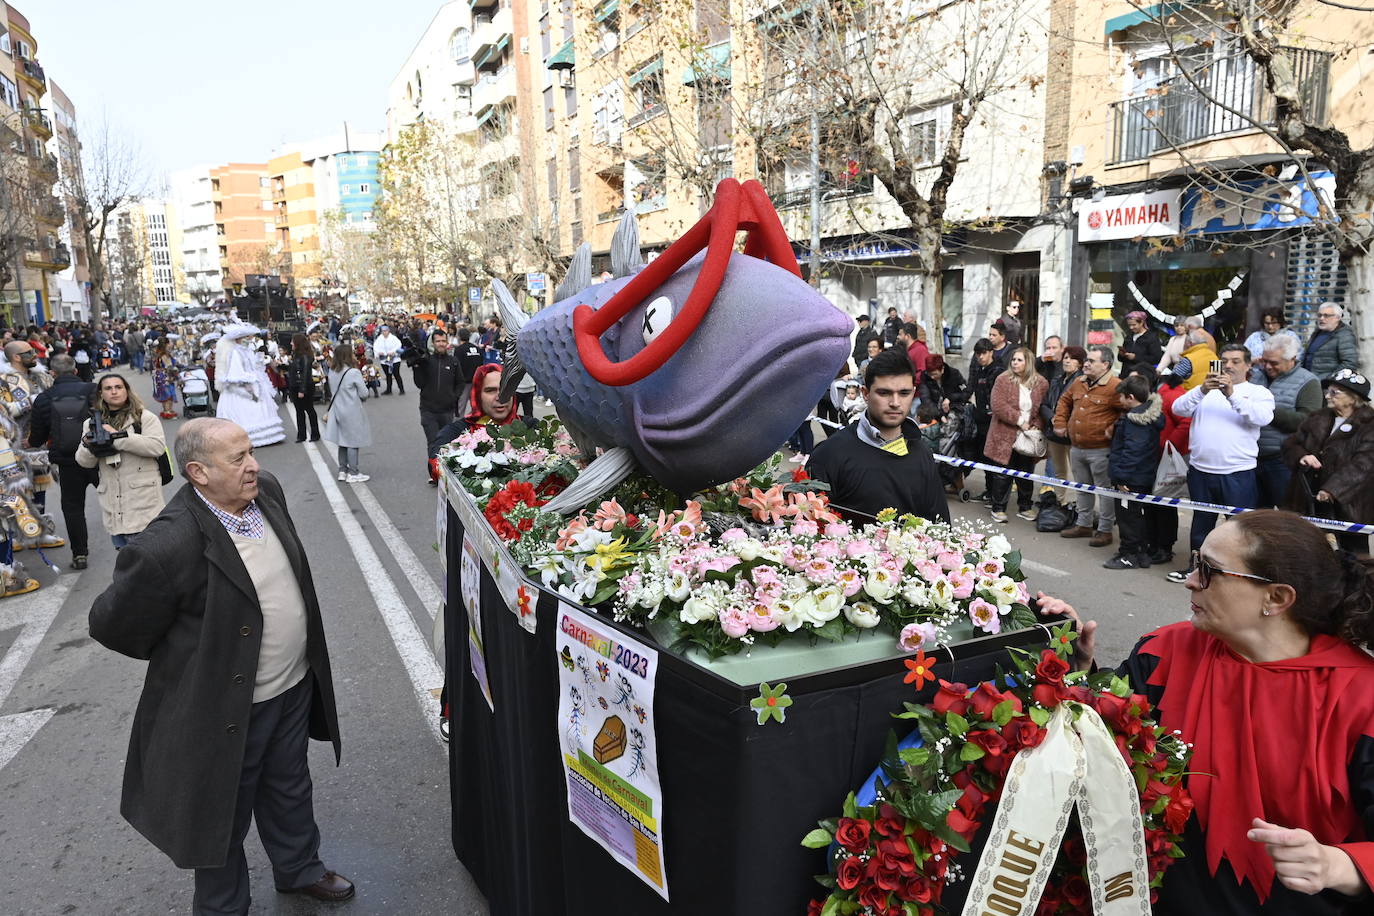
(1032,566)
(36,615)
(423,671)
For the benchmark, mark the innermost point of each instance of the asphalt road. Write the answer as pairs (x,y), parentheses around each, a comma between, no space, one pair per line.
(66,703)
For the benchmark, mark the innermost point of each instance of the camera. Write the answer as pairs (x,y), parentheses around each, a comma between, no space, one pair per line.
(410,354)
(101,441)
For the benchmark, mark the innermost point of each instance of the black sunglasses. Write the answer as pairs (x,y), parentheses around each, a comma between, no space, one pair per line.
(1206,570)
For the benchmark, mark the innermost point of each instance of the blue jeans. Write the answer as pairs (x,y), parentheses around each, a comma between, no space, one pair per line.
(1273,476)
(120,540)
(1239,489)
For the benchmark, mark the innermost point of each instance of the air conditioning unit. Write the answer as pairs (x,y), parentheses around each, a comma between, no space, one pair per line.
(524,44)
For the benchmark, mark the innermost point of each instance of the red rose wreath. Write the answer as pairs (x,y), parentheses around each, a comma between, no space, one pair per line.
(895,857)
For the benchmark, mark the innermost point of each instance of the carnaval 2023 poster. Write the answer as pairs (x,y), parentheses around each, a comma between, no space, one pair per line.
(606,734)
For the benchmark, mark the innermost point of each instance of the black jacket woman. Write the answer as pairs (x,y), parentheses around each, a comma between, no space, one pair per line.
(300,385)
(1332,458)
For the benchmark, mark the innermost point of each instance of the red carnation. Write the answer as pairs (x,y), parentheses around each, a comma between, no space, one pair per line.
(1051,669)
(849,873)
(799,474)
(852,834)
(1177,811)
(950,698)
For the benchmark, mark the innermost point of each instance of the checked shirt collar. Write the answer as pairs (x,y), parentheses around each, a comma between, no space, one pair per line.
(248,525)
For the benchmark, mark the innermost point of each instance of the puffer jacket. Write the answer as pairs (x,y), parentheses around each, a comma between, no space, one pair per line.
(1089,411)
(1134,458)
(130,488)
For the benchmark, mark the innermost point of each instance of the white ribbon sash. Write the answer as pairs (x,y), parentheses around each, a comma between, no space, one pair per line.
(1077,763)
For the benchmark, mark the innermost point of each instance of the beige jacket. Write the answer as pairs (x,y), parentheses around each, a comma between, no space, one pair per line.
(130,488)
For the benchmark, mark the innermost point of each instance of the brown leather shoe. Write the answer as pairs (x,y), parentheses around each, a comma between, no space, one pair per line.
(1101,539)
(331,888)
(1077,531)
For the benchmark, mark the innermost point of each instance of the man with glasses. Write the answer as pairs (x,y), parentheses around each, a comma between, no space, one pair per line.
(1297,393)
(1087,415)
(1223,441)
(1333,344)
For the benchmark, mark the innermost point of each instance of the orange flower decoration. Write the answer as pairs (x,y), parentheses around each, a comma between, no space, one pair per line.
(922,669)
(522,598)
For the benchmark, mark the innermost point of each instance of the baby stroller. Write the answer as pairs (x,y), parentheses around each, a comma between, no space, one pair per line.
(957,428)
(195,392)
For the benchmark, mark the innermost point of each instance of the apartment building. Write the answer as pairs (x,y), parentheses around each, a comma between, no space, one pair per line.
(1183,203)
(71,298)
(194,202)
(33,218)
(244,223)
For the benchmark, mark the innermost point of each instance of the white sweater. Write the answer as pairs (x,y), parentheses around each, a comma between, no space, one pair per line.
(1224,437)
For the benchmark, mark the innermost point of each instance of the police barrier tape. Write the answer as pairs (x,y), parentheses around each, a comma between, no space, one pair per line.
(1181,503)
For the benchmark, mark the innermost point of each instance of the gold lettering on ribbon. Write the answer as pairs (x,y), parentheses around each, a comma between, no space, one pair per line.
(1119,887)
(1009,892)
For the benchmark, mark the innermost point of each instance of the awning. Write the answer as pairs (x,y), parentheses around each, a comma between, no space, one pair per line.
(646,71)
(562,58)
(713,63)
(481,57)
(485,114)
(606,10)
(1145,14)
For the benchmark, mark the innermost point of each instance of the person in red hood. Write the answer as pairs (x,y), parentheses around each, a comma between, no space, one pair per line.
(487,409)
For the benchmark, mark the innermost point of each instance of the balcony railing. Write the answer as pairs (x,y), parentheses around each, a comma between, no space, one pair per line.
(648,114)
(33,71)
(39,122)
(830,190)
(1229,96)
(49,257)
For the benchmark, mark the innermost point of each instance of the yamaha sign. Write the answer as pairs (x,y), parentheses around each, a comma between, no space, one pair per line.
(1129,216)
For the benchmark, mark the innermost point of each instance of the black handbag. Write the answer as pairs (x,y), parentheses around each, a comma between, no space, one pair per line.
(1052,516)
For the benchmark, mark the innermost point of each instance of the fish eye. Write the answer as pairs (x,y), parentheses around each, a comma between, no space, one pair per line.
(657,316)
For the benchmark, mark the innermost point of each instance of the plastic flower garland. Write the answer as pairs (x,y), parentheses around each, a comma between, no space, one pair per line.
(487,457)
(895,857)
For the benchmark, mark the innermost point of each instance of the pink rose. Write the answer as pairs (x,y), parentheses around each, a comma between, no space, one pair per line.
(984,616)
(859,548)
(837,530)
(819,570)
(732,534)
(829,549)
(917,636)
(719,564)
(849,581)
(734,622)
(950,560)
(963,585)
(761,619)
(805,528)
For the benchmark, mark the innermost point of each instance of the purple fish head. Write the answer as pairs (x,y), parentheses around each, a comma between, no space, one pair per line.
(766,351)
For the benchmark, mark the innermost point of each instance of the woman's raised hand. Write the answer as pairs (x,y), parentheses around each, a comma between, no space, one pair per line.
(1087,632)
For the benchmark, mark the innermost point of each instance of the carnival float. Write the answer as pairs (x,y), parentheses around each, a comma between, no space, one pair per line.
(670,660)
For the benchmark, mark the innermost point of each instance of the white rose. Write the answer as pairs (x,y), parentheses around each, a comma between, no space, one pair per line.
(879,586)
(863,615)
(697,610)
(501,458)
(827,602)
(747,549)
(799,612)
(482,466)
(772,552)
(1006,592)
(916,595)
(941,594)
(997,546)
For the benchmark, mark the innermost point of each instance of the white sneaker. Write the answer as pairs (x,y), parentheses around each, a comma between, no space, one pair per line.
(358,478)
(799,458)
(343,476)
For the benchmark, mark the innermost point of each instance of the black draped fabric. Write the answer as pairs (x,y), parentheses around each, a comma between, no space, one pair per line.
(866,479)
(1189,889)
(738,797)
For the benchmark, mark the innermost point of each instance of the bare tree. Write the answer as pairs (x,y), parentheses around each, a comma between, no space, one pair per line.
(127,262)
(114,173)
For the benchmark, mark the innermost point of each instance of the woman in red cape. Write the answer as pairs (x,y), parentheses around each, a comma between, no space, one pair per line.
(1270,683)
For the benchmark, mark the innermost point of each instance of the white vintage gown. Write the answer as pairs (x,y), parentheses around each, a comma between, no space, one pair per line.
(246,395)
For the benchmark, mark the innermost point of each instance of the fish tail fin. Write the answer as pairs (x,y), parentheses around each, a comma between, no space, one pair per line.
(512,315)
(601,477)
(514,318)
(579,275)
(625,256)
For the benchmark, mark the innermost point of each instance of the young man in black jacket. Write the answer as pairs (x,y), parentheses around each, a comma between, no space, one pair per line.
(881,460)
(56,421)
(439,379)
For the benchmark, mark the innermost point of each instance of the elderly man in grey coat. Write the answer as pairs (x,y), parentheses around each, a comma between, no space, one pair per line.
(217,594)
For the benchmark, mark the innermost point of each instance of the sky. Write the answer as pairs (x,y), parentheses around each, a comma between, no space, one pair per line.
(203,82)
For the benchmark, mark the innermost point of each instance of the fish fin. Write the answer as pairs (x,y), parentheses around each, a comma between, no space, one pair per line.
(579,275)
(625,256)
(512,367)
(601,477)
(512,315)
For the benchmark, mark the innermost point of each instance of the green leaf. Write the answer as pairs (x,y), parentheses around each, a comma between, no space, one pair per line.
(914,756)
(947,833)
(817,839)
(1003,713)
(957,724)
(1039,715)
(833,630)
(850,805)
(826,881)
(1022,617)
(971,752)
(1120,686)
(932,807)
(832,904)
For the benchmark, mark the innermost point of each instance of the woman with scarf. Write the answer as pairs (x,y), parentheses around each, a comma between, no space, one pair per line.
(130,487)
(1270,682)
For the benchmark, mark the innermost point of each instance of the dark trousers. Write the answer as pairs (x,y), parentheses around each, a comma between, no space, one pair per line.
(999,485)
(74,479)
(305,410)
(393,371)
(1272,477)
(803,441)
(1238,489)
(431,421)
(1163,526)
(526,402)
(274,789)
(1133,525)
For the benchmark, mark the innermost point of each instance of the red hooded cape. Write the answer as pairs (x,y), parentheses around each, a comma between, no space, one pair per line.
(475,417)
(1271,740)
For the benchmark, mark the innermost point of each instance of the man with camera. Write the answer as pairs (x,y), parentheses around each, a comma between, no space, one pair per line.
(440,380)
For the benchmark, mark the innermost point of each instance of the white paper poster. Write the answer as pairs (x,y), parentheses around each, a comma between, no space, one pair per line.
(441,525)
(606,734)
(470,578)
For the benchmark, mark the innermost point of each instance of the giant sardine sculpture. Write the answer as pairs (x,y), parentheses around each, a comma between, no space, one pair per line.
(695,366)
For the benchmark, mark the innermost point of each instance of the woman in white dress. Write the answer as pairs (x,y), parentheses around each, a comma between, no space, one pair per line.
(245,392)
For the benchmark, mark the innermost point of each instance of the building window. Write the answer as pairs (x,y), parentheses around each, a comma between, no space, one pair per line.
(458,46)
(646,85)
(570,101)
(574,170)
(926,131)
(364,188)
(648,174)
(345,189)
(9,92)
(548,108)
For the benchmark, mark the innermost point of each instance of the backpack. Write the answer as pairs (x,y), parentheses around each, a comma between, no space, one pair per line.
(69,416)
